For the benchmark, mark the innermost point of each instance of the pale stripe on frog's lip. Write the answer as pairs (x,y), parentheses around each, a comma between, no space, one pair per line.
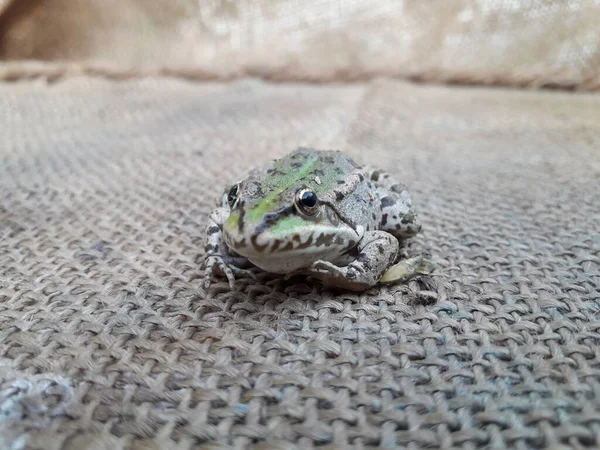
(295,243)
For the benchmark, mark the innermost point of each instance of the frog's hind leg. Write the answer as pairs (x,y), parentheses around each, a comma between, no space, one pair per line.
(398,215)
(377,251)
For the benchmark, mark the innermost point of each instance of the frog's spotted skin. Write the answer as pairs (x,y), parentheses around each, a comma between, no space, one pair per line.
(397,217)
(349,239)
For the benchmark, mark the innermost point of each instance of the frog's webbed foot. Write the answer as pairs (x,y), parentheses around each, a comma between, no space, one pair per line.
(342,277)
(218,259)
(377,251)
(408,269)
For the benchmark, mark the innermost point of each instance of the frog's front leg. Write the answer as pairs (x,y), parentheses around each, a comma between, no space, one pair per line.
(377,251)
(218,256)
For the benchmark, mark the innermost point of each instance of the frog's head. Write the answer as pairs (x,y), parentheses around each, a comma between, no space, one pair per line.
(285,227)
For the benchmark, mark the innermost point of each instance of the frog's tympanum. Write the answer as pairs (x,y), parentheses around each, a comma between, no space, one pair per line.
(314,213)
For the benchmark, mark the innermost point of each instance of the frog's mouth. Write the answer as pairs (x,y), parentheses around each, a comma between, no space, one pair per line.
(265,243)
(282,254)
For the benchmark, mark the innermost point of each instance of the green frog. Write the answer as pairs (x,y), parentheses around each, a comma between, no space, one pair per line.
(315,213)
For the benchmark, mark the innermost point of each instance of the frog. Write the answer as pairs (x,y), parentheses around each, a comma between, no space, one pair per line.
(315,213)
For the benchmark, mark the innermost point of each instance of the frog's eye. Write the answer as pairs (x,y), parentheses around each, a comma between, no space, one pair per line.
(307,202)
(232,197)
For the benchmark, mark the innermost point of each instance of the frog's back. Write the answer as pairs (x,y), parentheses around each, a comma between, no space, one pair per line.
(322,170)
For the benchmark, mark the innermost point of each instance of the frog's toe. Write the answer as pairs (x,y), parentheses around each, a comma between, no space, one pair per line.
(208,274)
(216,264)
(242,272)
(207,277)
(325,268)
(230,276)
(222,269)
(220,266)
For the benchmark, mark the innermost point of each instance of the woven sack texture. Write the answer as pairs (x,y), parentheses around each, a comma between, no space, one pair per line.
(109,341)
(516,42)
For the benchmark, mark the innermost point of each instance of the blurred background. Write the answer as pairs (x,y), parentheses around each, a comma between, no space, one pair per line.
(552,43)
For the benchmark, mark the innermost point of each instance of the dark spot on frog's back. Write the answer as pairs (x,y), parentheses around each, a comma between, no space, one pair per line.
(398,188)
(213,229)
(386,202)
(296,165)
(364,259)
(258,189)
(339,196)
(341,182)
(384,220)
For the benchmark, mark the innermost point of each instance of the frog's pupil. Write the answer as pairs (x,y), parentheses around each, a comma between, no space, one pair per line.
(309,199)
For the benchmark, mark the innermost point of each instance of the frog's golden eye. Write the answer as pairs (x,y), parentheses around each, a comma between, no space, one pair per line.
(307,202)
(232,196)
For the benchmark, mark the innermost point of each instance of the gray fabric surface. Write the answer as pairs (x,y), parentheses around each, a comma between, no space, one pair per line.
(108,340)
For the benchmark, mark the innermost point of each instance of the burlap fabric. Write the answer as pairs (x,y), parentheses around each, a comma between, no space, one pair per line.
(511,42)
(108,340)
